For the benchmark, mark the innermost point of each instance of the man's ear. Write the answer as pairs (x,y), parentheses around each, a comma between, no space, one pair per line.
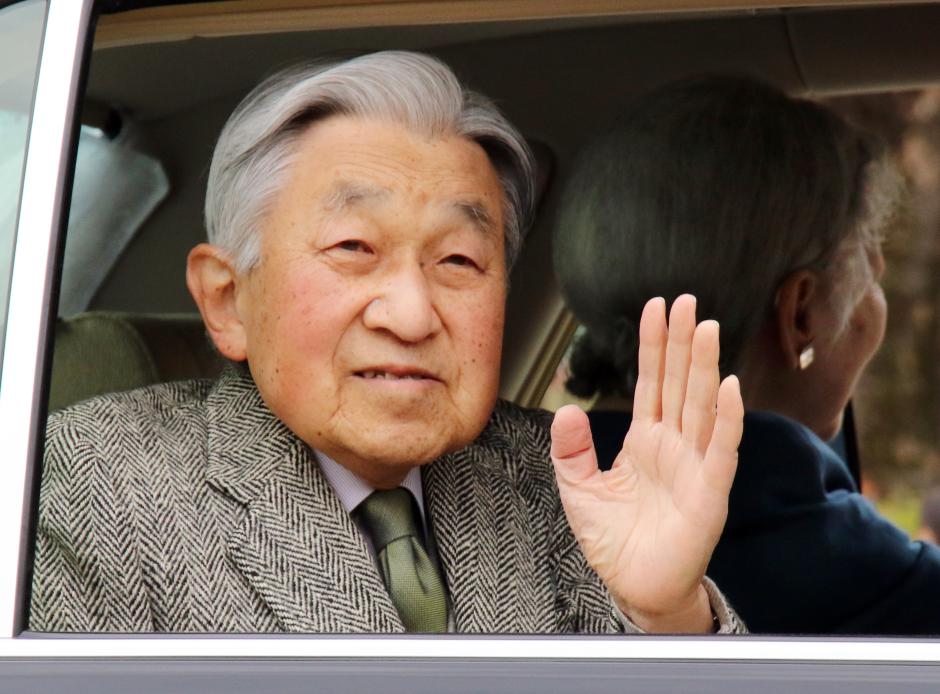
(212,280)
(795,307)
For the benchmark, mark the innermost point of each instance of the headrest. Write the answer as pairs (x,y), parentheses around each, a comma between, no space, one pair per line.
(102,352)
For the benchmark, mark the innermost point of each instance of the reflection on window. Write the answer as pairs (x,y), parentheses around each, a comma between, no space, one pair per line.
(20,35)
(13,131)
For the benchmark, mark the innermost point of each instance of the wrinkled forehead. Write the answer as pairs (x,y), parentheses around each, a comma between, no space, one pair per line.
(349,164)
(347,195)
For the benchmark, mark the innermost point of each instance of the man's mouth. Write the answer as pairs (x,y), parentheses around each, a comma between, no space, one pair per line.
(396,374)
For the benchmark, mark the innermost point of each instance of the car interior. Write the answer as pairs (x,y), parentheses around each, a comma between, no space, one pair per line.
(161,81)
(168,87)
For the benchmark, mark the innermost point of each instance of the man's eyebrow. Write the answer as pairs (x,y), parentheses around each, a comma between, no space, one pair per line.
(345,194)
(477,214)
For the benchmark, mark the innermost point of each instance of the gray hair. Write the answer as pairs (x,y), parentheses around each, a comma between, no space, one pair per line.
(849,271)
(259,142)
(720,187)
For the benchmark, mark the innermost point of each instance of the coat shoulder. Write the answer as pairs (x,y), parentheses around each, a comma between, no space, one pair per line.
(156,403)
(119,497)
(520,424)
(123,433)
(516,444)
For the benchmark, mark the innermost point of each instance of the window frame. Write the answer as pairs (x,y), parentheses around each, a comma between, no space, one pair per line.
(43,201)
(50,157)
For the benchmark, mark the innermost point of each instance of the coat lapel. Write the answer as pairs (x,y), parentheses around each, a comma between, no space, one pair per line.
(486,547)
(295,544)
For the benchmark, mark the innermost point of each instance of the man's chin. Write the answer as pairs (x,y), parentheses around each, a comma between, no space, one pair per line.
(406,447)
(384,463)
(386,434)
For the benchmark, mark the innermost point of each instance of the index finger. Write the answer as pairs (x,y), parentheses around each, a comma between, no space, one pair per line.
(647,396)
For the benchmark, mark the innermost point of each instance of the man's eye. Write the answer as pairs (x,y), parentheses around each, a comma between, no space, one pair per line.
(459,260)
(354,245)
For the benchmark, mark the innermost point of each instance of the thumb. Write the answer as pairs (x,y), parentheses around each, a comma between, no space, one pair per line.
(573,446)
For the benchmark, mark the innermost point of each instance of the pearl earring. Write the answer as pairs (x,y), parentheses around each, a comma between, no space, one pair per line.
(806,357)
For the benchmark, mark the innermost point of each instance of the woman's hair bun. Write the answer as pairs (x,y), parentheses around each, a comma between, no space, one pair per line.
(604,360)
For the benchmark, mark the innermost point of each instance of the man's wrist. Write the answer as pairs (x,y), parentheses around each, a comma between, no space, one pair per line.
(695,618)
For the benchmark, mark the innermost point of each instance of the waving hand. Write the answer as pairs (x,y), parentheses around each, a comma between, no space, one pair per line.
(649,525)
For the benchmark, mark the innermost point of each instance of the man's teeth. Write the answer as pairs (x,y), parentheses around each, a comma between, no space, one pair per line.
(389,377)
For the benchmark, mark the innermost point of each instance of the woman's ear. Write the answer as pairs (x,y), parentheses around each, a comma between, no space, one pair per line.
(212,280)
(795,307)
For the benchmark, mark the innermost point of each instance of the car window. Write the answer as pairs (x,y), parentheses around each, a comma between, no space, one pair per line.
(20,34)
(183,106)
(183,123)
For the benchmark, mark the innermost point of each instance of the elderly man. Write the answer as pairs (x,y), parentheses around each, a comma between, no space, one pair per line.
(353,470)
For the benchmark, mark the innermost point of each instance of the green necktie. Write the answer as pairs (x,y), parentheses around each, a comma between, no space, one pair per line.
(412,580)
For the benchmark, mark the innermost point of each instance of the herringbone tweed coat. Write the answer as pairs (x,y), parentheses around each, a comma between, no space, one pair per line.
(189,507)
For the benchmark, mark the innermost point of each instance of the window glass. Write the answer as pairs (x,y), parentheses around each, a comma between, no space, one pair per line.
(20,34)
(179,109)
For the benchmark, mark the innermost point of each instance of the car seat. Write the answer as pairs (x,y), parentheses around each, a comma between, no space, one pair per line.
(104,351)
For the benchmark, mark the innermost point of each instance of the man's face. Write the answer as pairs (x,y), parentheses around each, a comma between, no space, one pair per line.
(373,323)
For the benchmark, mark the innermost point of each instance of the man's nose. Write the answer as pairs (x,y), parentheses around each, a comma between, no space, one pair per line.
(404,306)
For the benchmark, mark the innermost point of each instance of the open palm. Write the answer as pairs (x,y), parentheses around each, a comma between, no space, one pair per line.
(649,525)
